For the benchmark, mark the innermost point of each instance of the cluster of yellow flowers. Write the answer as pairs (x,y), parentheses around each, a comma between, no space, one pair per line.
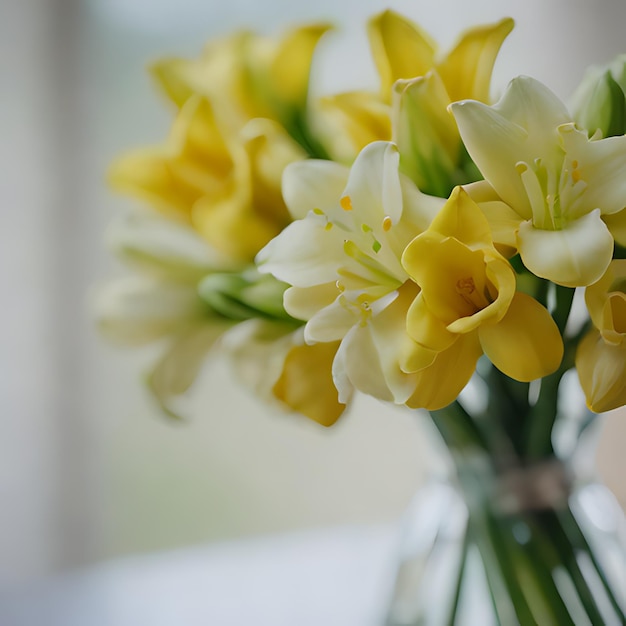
(376,241)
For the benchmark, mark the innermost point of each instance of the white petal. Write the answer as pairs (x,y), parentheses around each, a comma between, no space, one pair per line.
(164,247)
(576,256)
(135,310)
(304,303)
(180,365)
(306,253)
(374,184)
(522,126)
(602,166)
(332,323)
(313,184)
(358,362)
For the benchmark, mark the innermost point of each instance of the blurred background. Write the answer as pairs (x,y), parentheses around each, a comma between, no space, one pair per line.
(89,469)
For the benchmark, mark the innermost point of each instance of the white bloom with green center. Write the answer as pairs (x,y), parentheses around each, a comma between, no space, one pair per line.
(549,181)
(342,259)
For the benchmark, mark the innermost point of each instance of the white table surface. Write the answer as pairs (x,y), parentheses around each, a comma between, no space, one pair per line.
(332,577)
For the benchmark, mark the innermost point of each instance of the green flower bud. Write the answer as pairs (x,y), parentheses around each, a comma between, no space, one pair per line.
(245,295)
(600,100)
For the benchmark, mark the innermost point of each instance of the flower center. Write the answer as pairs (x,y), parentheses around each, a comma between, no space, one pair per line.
(551,194)
(466,288)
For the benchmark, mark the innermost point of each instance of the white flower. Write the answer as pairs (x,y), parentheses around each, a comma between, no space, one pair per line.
(342,258)
(550,183)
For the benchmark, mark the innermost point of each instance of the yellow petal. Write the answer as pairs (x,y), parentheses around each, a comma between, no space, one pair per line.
(452,277)
(602,372)
(440,384)
(195,162)
(306,384)
(462,219)
(596,295)
(427,330)
(400,49)
(244,220)
(289,72)
(526,343)
(350,121)
(176,78)
(466,71)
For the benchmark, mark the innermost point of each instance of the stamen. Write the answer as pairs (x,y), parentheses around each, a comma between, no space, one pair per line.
(346,203)
(387,223)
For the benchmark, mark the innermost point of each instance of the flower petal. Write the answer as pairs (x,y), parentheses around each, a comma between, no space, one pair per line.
(306,384)
(576,256)
(330,323)
(400,49)
(164,248)
(358,365)
(179,367)
(601,164)
(522,126)
(306,253)
(616,224)
(525,344)
(374,184)
(439,384)
(290,69)
(313,184)
(426,329)
(462,219)
(304,303)
(466,70)
(136,310)
(602,372)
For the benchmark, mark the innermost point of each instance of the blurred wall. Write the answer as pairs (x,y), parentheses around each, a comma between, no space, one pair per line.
(88,468)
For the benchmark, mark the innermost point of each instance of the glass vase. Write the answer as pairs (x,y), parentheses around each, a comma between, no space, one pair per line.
(503,538)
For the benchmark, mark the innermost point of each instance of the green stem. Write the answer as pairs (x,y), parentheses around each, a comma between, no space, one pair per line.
(564,299)
(459,580)
(574,534)
(458,428)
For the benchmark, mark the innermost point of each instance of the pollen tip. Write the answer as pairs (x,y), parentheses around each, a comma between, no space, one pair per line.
(346,203)
(387,223)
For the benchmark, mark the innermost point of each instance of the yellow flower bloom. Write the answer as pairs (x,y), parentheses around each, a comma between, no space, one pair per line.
(468,305)
(601,355)
(247,75)
(226,186)
(402,50)
(423,86)
(552,188)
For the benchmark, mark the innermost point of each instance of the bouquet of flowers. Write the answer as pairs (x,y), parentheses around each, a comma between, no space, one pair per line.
(418,244)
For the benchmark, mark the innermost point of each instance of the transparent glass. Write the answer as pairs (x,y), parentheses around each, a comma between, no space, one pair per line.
(525,544)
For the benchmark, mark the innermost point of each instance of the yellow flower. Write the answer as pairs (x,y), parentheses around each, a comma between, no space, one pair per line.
(423,86)
(226,186)
(552,188)
(601,355)
(402,50)
(247,76)
(468,305)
